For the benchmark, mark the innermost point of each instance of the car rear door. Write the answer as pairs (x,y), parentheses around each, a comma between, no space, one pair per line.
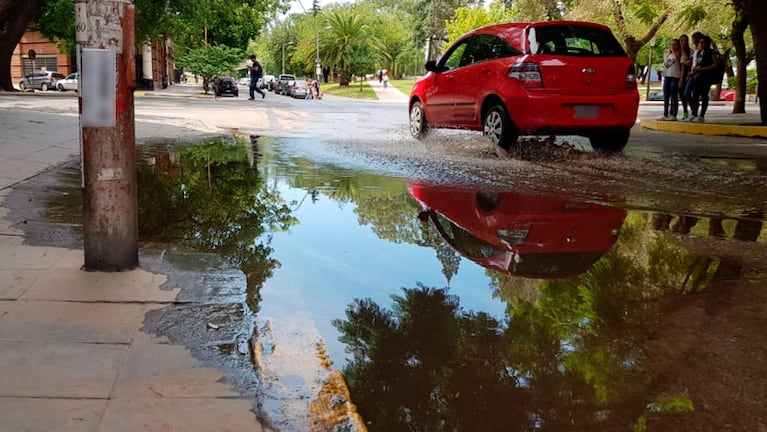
(483,71)
(577,59)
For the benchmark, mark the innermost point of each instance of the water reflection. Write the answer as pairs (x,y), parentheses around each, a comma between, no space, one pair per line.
(523,235)
(615,337)
(211,197)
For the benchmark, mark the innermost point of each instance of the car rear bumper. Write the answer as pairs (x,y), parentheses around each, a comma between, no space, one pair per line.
(569,114)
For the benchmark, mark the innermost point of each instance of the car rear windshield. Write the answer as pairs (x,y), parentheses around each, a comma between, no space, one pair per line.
(574,40)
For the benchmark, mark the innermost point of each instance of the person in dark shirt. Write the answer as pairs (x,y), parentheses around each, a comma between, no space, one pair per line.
(256,71)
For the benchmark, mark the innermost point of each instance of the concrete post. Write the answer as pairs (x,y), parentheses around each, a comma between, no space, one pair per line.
(106,61)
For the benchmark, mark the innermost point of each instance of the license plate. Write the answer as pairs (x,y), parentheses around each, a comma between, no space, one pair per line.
(586,111)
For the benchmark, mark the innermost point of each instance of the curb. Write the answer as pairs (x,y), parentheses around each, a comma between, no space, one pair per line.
(706,128)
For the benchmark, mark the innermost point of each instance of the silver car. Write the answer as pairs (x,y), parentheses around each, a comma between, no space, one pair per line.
(68,83)
(40,79)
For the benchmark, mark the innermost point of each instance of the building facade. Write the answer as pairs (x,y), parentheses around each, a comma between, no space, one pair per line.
(154,62)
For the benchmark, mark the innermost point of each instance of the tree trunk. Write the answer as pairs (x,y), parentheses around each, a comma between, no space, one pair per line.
(14,18)
(738,41)
(758,8)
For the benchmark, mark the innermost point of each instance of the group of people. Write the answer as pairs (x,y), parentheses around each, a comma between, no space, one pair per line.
(688,74)
(256,72)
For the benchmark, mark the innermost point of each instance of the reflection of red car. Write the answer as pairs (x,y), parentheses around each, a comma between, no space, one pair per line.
(522,235)
(727,95)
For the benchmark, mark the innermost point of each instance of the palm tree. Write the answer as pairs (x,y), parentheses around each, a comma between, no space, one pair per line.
(338,41)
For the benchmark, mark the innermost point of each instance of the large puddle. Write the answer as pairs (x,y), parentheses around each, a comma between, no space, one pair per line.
(446,307)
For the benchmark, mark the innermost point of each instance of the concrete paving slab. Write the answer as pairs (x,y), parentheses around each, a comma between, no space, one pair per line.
(19,257)
(60,415)
(13,283)
(58,370)
(78,285)
(46,322)
(179,415)
(168,371)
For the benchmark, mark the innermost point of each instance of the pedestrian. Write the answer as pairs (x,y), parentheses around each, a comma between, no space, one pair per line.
(386,79)
(256,71)
(309,90)
(380,76)
(685,63)
(702,73)
(315,87)
(690,81)
(671,74)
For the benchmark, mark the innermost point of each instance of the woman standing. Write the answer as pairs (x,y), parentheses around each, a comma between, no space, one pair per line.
(672,71)
(685,62)
(705,64)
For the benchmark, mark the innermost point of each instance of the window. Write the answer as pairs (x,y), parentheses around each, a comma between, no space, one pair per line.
(575,41)
(489,47)
(455,57)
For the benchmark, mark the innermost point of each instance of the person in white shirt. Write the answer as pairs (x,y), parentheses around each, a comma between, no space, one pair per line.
(672,71)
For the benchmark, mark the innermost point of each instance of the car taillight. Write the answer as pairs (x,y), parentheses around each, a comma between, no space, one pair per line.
(631,78)
(528,74)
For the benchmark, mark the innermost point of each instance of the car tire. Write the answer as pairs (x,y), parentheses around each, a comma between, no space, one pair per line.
(497,126)
(22,86)
(60,87)
(609,141)
(419,127)
(44,86)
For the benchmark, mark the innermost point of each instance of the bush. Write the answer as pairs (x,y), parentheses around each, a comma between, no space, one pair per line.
(751,81)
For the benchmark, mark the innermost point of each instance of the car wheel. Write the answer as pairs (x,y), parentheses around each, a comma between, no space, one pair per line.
(609,141)
(60,87)
(419,127)
(44,86)
(22,85)
(497,126)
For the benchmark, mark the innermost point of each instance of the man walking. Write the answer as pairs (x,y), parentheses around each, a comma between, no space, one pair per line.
(255,73)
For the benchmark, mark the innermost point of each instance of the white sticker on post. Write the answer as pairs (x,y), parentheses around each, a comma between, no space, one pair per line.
(98,82)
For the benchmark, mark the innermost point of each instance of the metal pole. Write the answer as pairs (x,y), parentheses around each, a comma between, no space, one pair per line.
(106,60)
(283,59)
(318,71)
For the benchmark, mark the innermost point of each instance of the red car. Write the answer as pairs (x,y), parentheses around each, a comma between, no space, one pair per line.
(521,235)
(546,78)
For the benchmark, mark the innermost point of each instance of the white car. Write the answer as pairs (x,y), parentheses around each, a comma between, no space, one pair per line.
(68,83)
(264,81)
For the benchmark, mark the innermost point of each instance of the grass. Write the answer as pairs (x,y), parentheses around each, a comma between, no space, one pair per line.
(403,85)
(354,90)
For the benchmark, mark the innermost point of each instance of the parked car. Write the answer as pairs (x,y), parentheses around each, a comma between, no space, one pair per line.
(244,81)
(40,79)
(517,234)
(225,85)
(282,82)
(727,95)
(68,83)
(299,89)
(544,78)
(264,81)
(655,95)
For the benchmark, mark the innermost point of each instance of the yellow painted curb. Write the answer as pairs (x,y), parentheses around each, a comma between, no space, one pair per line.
(705,128)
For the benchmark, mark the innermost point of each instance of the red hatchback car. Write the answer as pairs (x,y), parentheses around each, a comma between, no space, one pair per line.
(546,78)
(521,235)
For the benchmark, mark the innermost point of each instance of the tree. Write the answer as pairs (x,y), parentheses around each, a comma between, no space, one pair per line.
(15,17)
(207,62)
(343,40)
(757,8)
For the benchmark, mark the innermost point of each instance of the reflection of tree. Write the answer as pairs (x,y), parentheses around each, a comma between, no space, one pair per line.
(574,356)
(213,199)
(427,365)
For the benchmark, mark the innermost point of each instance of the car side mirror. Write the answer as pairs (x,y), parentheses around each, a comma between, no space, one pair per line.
(431,66)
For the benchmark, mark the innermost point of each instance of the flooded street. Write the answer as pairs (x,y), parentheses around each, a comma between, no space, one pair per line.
(343,290)
(346,277)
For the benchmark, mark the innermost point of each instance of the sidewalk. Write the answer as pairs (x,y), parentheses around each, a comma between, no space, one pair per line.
(719,121)
(74,357)
(388,94)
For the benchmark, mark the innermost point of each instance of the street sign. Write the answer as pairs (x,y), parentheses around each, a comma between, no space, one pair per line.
(31,54)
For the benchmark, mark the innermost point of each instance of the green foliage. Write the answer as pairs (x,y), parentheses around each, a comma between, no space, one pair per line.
(215,60)
(57,23)
(751,81)
(343,44)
